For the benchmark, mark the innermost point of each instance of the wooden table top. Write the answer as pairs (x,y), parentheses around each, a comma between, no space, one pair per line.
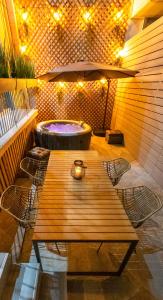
(80,210)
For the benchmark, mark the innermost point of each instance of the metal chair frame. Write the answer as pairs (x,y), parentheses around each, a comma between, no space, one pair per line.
(35,169)
(18,202)
(116,168)
(140,203)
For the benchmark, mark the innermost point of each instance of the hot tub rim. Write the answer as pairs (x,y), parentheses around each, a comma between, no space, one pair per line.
(86,128)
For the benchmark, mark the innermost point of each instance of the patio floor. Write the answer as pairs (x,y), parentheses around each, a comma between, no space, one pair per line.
(142,278)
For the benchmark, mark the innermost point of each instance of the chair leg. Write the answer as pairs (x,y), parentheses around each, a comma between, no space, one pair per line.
(57,248)
(99,247)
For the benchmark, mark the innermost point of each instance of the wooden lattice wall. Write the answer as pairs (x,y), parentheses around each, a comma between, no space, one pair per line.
(71,39)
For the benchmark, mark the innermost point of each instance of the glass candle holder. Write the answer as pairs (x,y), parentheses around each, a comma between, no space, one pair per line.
(78,169)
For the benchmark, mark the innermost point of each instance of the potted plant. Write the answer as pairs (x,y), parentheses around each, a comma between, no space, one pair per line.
(14,69)
(4,64)
(21,67)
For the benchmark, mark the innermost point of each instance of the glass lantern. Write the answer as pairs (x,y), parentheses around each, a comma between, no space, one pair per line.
(78,169)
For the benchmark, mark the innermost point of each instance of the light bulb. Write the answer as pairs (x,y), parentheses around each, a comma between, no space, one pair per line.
(103,81)
(118,15)
(57,16)
(123,52)
(87,16)
(23,48)
(80,84)
(61,84)
(25,15)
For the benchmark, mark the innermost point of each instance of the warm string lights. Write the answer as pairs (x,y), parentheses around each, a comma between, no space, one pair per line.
(118,16)
(103,81)
(80,84)
(87,17)
(23,49)
(58,16)
(24,16)
(61,85)
(120,53)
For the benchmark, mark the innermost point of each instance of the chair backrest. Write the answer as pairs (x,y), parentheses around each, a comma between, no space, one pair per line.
(140,203)
(35,169)
(116,168)
(18,201)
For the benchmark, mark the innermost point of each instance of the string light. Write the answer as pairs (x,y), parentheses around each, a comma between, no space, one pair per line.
(118,15)
(25,16)
(123,52)
(87,16)
(40,83)
(61,84)
(103,81)
(57,15)
(23,48)
(80,84)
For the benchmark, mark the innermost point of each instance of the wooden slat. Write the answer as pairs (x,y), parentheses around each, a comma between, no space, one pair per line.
(76,206)
(85,236)
(110,222)
(43,217)
(84,229)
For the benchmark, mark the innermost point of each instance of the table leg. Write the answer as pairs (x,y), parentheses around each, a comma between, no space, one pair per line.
(37,253)
(126,258)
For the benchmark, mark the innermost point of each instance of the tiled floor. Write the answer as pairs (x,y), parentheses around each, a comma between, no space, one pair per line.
(143,277)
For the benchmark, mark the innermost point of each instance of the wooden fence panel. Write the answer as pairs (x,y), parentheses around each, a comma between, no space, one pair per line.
(138,109)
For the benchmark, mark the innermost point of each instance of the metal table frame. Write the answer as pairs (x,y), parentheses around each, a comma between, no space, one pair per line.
(130,250)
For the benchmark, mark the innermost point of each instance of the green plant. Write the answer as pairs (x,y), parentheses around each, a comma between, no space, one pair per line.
(21,67)
(4,64)
(15,66)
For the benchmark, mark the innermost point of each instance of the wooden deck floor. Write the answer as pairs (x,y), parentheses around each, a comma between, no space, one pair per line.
(142,278)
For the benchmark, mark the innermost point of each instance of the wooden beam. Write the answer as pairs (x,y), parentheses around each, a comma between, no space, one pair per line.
(13,25)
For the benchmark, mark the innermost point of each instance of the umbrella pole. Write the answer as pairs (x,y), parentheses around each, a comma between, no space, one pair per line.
(106,104)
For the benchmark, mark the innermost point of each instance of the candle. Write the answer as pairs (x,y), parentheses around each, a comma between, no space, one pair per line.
(78,169)
(78,172)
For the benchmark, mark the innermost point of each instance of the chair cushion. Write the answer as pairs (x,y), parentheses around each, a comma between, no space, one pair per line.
(39,153)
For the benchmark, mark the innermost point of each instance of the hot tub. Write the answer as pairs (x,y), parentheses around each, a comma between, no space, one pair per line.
(63,135)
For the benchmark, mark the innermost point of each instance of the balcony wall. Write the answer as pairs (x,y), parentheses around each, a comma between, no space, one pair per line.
(13,147)
(138,109)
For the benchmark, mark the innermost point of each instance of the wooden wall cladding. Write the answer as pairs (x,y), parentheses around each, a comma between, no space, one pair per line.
(5,38)
(50,43)
(138,109)
(12,153)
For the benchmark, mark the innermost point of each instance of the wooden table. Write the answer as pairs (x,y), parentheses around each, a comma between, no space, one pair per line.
(81,211)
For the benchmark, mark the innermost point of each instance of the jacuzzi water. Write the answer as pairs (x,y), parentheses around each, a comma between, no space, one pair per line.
(64,127)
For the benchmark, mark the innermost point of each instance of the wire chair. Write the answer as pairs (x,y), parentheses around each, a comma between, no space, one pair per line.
(35,169)
(116,168)
(19,202)
(140,203)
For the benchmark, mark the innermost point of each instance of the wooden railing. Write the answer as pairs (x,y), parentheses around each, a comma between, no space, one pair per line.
(13,151)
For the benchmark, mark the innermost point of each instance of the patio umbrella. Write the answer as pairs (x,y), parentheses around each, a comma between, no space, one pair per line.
(87,71)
